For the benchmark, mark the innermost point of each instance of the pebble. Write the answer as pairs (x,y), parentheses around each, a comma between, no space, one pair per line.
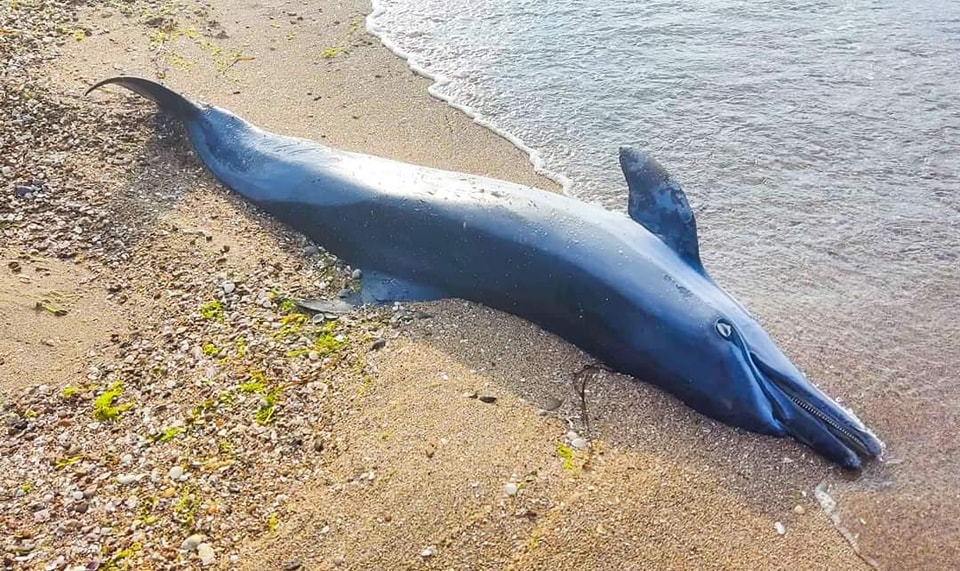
(489,399)
(176,473)
(552,404)
(127,478)
(126,459)
(579,443)
(338,560)
(228,287)
(781,529)
(429,551)
(207,556)
(357,274)
(41,516)
(510,489)
(77,495)
(292,565)
(192,543)
(799,510)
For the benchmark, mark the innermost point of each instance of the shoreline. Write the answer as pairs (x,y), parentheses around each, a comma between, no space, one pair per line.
(536,159)
(406,463)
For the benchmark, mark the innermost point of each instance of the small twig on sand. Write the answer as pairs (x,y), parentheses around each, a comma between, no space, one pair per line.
(580,384)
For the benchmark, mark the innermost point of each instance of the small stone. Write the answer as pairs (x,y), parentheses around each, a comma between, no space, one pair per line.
(207,556)
(338,560)
(126,479)
(7,172)
(318,445)
(552,404)
(313,356)
(292,565)
(126,459)
(429,551)
(77,495)
(176,473)
(510,489)
(798,509)
(357,274)
(228,287)
(489,399)
(470,394)
(41,516)
(579,443)
(781,529)
(192,543)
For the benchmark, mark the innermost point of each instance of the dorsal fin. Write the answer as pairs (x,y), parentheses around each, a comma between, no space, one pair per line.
(659,204)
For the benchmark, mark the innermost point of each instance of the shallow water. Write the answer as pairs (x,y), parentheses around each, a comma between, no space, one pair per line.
(819,143)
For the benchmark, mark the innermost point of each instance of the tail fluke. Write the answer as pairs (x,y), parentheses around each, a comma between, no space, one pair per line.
(169,101)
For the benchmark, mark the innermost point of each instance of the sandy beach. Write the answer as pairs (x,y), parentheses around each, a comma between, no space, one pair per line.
(255,439)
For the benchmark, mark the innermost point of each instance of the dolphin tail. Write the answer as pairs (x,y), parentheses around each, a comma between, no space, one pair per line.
(168,100)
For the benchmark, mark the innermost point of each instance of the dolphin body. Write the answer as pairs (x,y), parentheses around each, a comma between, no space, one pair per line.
(629,290)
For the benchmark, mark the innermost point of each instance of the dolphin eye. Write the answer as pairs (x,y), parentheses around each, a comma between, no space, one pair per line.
(724,329)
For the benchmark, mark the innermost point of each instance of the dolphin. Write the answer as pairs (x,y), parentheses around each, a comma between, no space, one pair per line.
(628,289)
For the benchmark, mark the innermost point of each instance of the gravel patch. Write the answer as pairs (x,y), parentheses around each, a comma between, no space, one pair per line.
(185,436)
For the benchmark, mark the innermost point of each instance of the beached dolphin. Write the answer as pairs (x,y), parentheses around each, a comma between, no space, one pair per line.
(629,290)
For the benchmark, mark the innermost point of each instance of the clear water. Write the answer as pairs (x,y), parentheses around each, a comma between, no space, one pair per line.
(819,143)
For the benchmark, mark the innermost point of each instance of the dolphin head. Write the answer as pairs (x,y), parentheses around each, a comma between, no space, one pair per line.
(804,412)
(737,374)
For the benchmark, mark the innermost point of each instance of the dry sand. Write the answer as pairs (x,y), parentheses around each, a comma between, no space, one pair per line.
(415,472)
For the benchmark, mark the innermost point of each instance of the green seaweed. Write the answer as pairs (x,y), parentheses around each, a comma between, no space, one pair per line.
(104,407)
(70,391)
(212,310)
(119,560)
(566,454)
(167,434)
(62,463)
(185,509)
(268,408)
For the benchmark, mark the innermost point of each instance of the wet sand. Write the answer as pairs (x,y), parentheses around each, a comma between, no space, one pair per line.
(418,474)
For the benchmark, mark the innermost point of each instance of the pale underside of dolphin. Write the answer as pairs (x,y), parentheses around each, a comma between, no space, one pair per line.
(629,290)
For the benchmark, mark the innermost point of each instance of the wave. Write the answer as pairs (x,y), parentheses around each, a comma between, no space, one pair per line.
(439,80)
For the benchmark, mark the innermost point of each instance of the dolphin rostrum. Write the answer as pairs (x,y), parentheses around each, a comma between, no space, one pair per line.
(629,290)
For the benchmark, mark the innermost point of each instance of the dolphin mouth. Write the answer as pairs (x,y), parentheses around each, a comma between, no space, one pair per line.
(807,414)
(839,422)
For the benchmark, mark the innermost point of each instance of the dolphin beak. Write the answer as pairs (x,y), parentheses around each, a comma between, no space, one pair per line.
(813,418)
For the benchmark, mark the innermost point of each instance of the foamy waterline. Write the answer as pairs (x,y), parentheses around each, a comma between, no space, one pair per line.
(439,80)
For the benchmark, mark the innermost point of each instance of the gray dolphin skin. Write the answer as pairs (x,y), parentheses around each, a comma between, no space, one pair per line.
(629,290)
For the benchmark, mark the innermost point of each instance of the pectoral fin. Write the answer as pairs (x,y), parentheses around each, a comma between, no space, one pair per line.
(376,287)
